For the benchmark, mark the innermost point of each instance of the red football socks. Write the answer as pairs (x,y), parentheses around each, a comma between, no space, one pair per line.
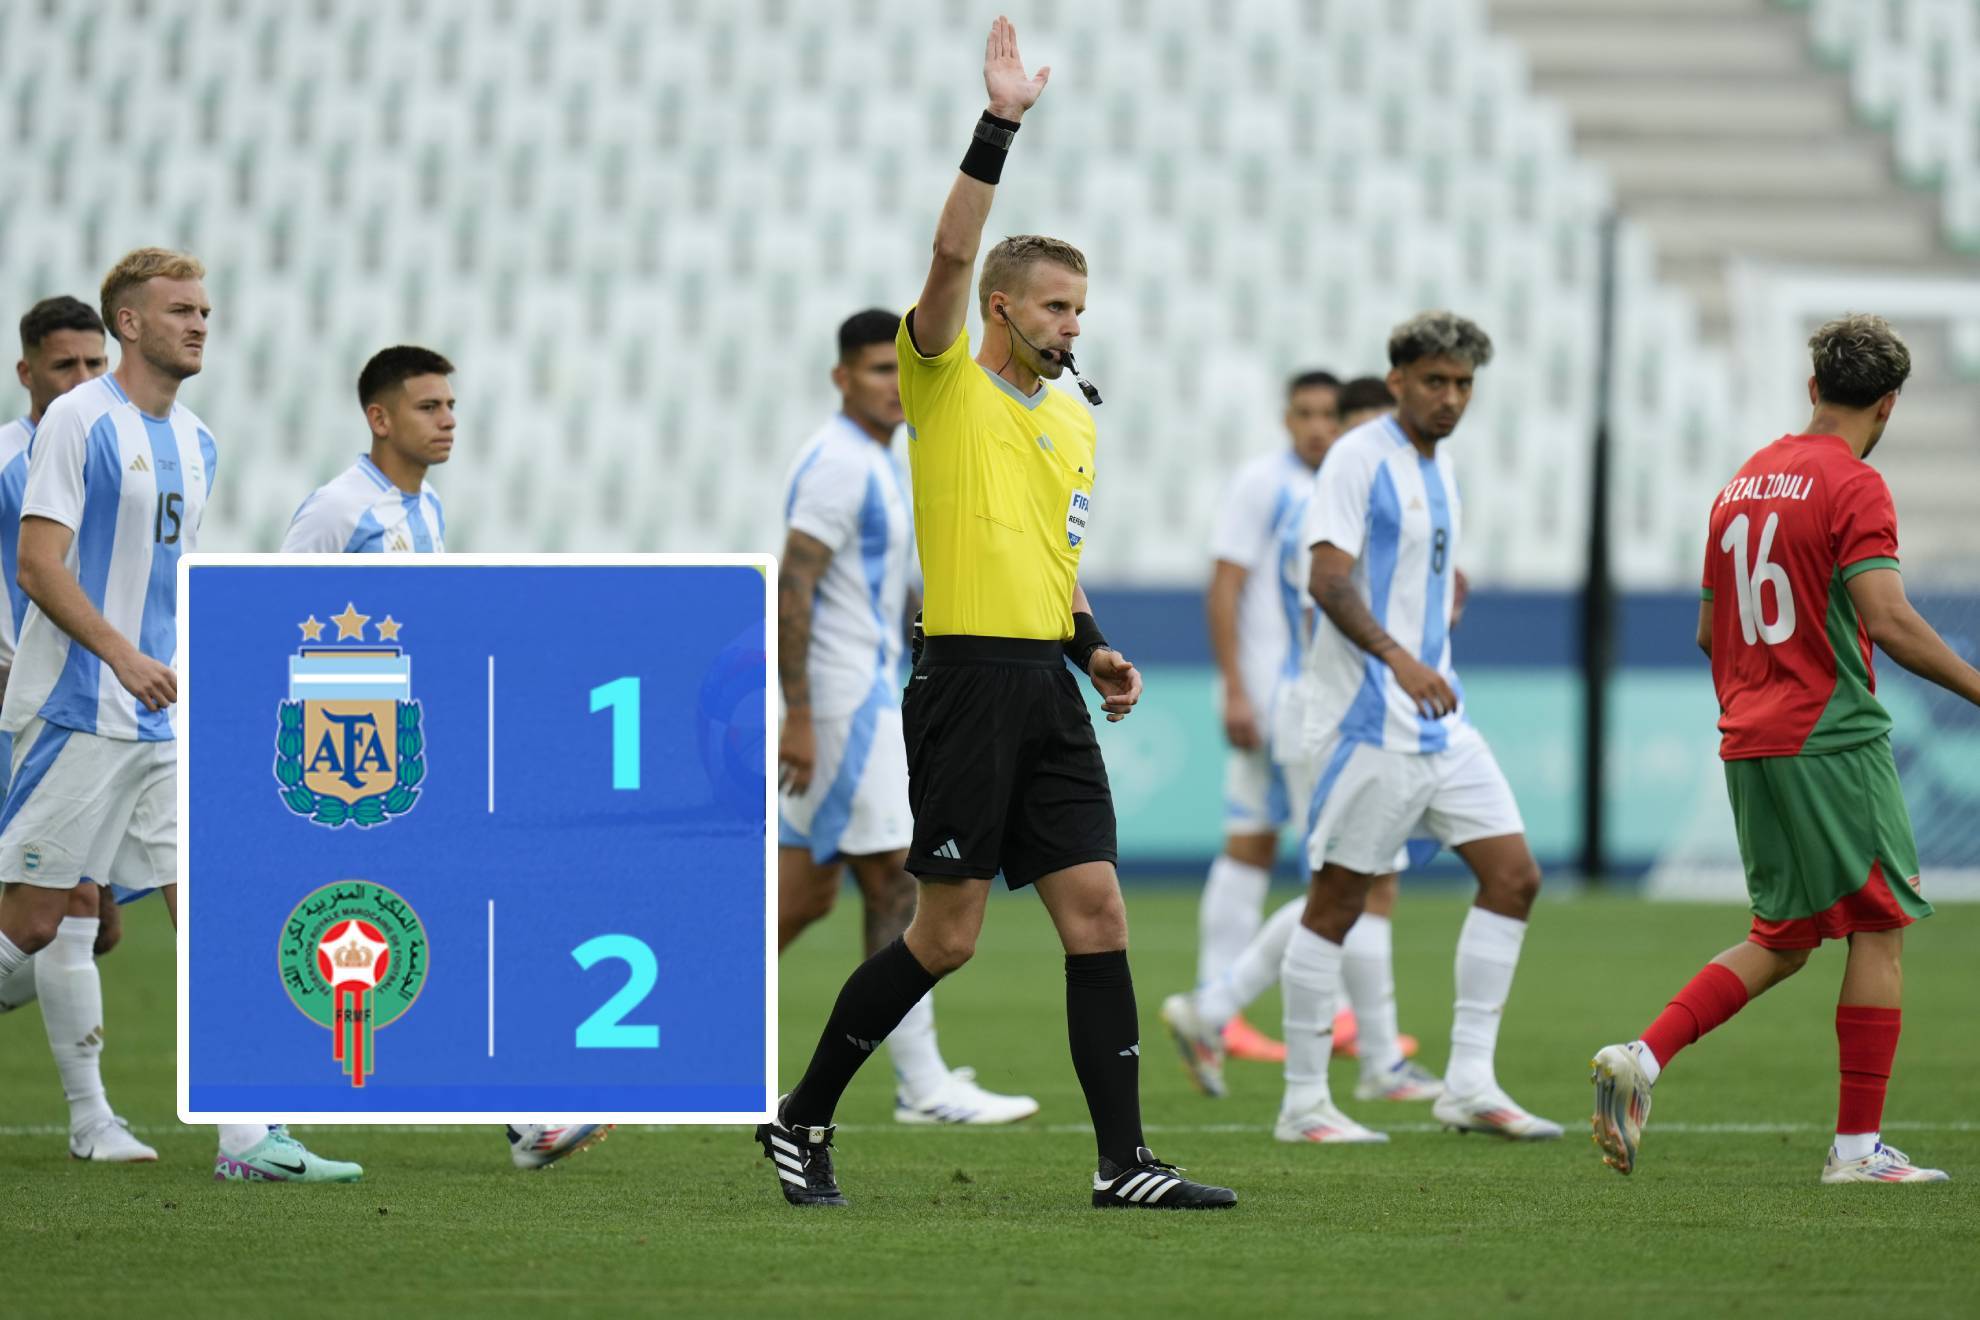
(1711,997)
(1866,1042)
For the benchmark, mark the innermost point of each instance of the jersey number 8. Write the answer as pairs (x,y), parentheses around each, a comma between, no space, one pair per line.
(1747,585)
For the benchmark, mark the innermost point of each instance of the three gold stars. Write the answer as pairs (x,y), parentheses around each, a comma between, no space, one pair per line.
(350,626)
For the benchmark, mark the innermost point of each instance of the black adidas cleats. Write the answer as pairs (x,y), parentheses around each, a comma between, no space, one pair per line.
(803,1157)
(1149,1184)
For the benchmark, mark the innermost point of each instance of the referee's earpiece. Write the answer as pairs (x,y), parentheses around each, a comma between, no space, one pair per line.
(1061,355)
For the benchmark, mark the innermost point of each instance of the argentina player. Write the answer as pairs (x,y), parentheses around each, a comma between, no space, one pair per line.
(117,483)
(381,504)
(62,345)
(1386,726)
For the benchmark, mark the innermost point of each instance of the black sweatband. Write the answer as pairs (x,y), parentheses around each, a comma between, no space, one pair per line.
(988,148)
(1086,639)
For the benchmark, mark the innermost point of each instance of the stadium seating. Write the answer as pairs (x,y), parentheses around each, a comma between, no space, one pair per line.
(636,226)
(1915,66)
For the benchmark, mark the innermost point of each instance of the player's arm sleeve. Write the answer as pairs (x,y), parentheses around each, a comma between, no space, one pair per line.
(826,502)
(1338,512)
(1243,521)
(315,528)
(210,453)
(927,382)
(55,468)
(1865,530)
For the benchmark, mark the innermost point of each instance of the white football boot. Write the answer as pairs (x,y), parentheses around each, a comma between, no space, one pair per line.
(1492,1111)
(1885,1164)
(1407,1080)
(109,1141)
(535,1145)
(1325,1124)
(1622,1105)
(960,1100)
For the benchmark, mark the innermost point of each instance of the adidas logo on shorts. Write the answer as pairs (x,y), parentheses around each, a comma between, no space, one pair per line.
(950,851)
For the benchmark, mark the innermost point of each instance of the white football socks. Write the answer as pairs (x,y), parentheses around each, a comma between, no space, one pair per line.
(238,1139)
(1252,972)
(917,1059)
(1311,984)
(1368,974)
(72,1010)
(11,957)
(1646,1059)
(17,987)
(1856,1145)
(1228,917)
(1487,954)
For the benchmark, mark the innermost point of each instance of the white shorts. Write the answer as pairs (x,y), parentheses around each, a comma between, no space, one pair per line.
(1255,798)
(857,804)
(1368,803)
(82,807)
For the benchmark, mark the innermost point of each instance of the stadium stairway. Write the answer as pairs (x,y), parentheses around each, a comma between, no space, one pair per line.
(1726,138)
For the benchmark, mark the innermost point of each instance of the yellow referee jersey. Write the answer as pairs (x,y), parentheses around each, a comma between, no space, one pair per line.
(1003,487)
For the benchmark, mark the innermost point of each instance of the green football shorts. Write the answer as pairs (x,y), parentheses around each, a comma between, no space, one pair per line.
(1827,845)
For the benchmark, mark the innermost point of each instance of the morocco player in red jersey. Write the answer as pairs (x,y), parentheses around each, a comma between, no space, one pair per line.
(1801,577)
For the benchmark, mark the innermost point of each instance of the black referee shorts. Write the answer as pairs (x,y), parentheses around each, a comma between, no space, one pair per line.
(1004,773)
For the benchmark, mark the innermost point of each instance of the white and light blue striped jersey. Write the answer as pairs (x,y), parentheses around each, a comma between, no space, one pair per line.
(14,439)
(361,511)
(1248,520)
(845,490)
(1292,566)
(1398,514)
(133,489)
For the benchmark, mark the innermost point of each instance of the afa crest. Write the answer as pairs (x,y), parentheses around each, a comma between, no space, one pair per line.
(348,746)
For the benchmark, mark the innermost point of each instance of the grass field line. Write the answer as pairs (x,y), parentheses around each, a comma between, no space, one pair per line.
(1053,1129)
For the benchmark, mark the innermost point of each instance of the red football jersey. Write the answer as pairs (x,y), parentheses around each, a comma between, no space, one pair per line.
(1790,657)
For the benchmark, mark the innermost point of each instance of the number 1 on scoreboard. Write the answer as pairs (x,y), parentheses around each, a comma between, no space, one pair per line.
(621,696)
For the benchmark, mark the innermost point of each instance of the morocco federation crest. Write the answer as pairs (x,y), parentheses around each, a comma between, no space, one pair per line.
(349,747)
(353,958)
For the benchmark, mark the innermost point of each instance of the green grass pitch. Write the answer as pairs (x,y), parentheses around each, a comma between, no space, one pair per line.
(1725,1216)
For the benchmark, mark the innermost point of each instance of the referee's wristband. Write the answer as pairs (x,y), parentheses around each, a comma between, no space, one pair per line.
(989,146)
(1086,639)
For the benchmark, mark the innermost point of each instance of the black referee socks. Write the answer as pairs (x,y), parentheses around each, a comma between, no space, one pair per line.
(875,998)
(1106,1049)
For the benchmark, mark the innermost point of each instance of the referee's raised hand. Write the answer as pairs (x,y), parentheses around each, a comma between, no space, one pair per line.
(1117,681)
(1011,91)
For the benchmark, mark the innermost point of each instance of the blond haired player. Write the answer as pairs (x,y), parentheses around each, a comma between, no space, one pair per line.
(117,483)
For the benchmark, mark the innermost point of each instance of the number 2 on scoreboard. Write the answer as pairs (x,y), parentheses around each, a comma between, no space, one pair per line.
(607,1028)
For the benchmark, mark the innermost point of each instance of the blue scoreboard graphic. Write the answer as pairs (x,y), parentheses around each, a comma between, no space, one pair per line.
(475,837)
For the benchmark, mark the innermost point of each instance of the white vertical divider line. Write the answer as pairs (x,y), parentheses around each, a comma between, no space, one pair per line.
(491,978)
(491,735)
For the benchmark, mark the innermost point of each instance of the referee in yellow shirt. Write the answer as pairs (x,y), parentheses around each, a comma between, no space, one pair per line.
(1004,773)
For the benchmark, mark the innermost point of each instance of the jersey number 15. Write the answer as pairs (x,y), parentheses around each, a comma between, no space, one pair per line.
(170,517)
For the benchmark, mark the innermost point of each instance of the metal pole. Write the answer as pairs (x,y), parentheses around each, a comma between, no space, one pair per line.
(1598,596)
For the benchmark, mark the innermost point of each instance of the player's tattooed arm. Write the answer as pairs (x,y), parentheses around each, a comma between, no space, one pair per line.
(798,574)
(1332,585)
(1705,626)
